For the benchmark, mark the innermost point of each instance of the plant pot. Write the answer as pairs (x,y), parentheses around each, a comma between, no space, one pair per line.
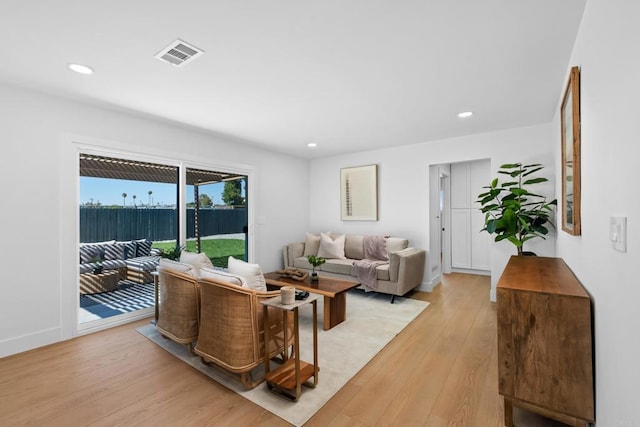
(314,277)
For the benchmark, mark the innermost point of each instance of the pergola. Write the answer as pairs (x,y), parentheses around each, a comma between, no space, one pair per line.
(134,170)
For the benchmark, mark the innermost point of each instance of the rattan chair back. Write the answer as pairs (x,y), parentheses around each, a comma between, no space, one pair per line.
(231,331)
(179,311)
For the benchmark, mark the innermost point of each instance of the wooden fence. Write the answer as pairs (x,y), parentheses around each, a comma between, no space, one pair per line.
(100,224)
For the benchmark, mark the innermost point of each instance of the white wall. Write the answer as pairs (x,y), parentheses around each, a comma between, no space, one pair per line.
(606,50)
(39,196)
(404,187)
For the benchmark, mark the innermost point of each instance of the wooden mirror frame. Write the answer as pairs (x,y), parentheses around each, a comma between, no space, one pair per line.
(570,136)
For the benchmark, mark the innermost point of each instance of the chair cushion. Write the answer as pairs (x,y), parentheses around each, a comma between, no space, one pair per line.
(331,248)
(197,260)
(180,267)
(251,273)
(211,273)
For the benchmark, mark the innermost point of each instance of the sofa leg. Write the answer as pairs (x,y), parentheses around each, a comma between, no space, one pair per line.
(393,298)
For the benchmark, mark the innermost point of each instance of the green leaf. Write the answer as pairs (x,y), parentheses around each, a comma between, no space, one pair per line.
(510,166)
(534,181)
(533,165)
(494,183)
(510,183)
(519,191)
(533,171)
(515,241)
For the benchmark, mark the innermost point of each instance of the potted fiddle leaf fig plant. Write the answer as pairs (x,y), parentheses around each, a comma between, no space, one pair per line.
(315,261)
(511,211)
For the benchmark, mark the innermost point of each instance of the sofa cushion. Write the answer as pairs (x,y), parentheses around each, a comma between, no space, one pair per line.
(311,244)
(252,273)
(143,247)
(395,244)
(211,273)
(353,246)
(115,251)
(340,266)
(383,272)
(331,248)
(302,262)
(143,263)
(90,253)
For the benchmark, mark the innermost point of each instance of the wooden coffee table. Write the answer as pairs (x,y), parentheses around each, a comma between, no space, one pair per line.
(333,290)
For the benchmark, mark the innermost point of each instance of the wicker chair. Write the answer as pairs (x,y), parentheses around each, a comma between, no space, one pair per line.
(179,313)
(232,331)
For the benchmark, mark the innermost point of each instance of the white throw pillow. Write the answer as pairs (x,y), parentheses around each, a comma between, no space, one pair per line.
(197,260)
(210,273)
(180,267)
(331,248)
(251,273)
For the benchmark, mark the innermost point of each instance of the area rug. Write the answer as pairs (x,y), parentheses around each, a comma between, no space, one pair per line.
(372,322)
(129,296)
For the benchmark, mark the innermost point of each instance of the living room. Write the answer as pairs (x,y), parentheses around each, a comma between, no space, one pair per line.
(295,193)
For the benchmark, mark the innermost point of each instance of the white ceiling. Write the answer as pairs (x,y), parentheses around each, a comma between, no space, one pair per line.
(350,75)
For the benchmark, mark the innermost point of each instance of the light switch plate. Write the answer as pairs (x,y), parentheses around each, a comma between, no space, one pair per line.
(618,232)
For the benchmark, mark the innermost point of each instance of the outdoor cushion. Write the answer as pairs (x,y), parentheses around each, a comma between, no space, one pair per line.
(106,265)
(115,251)
(90,253)
(144,263)
(143,247)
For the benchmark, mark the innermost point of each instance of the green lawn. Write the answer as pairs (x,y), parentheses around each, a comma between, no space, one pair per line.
(218,250)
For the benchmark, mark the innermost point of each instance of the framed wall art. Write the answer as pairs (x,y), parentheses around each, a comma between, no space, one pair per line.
(359,193)
(570,137)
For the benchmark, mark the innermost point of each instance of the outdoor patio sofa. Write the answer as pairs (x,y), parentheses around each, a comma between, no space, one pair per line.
(135,259)
(402,272)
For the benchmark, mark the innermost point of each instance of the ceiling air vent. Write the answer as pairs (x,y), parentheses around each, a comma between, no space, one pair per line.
(179,53)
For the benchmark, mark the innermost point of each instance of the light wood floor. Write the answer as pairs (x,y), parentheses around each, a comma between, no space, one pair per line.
(440,371)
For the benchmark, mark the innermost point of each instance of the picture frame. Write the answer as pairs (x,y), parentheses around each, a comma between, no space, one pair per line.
(359,193)
(570,140)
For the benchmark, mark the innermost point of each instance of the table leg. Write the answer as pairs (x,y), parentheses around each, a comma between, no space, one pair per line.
(155,297)
(335,310)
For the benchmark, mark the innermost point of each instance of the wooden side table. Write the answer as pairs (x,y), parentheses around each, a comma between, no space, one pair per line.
(287,379)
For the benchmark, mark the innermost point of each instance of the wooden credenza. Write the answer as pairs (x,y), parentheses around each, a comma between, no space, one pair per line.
(545,341)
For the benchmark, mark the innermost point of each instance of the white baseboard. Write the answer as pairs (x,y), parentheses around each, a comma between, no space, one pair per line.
(470,271)
(492,294)
(428,286)
(28,342)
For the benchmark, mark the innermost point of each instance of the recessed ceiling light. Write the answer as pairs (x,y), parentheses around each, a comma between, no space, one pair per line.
(465,114)
(312,145)
(82,69)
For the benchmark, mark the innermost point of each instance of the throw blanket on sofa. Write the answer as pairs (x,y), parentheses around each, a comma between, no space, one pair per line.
(375,254)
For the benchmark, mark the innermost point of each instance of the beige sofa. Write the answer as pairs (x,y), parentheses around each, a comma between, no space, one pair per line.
(402,273)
